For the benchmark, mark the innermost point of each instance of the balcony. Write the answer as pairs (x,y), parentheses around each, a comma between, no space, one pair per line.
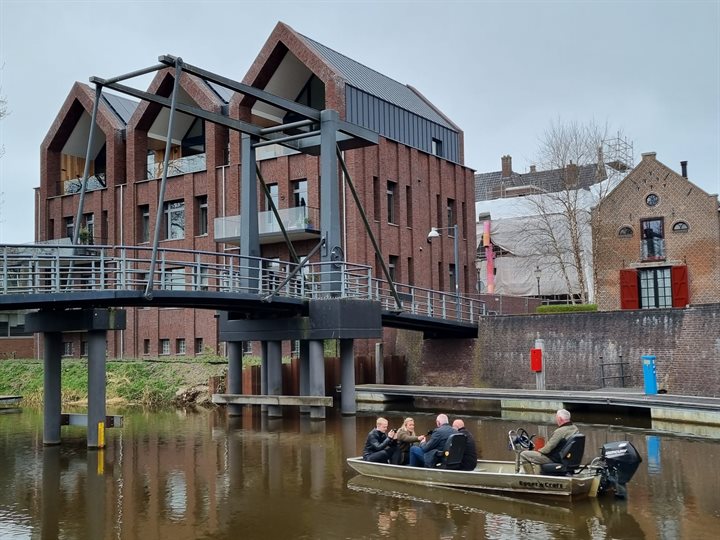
(301,223)
(176,167)
(70,187)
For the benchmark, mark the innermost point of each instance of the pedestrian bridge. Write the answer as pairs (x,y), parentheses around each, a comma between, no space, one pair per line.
(63,276)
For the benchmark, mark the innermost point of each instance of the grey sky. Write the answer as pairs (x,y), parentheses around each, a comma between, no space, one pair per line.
(502,71)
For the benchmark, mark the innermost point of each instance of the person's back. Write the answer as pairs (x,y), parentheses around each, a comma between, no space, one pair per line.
(470,455)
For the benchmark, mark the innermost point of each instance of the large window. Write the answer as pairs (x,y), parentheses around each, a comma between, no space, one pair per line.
(87,229)
(393,267)
(655,288)
(653,239)
(273,188)
(174,220)
(451,212)
(69,224)
(300,194)
(143,223)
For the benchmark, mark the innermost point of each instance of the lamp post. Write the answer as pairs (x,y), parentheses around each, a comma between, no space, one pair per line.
(434,234)
(538,272)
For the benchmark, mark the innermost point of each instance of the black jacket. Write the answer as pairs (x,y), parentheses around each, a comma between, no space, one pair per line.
(376,441)
(469,459)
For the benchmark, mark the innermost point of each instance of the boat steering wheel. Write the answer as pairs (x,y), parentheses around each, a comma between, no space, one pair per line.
(524,439)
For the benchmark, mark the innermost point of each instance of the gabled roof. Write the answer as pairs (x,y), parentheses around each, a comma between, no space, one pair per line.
(372,82)
(490,185)
(121,106)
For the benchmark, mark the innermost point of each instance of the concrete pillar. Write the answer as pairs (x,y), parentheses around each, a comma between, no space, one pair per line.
(540,375)
(304,373)
(317,376)
(234,382)
(274,375)
(52,387)
(347,377)
(97,345)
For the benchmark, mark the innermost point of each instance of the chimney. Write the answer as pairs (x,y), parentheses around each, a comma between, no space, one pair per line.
(683,166)
(571,175)
(506,166)
(532,169)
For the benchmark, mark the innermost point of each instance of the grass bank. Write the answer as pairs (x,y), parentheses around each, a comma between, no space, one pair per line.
(147,382)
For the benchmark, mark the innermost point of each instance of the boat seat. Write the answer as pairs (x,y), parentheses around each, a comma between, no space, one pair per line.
(451,457)
(570,457)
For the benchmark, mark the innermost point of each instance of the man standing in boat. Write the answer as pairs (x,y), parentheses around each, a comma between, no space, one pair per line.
(380,445)
(426,454)
(550,453)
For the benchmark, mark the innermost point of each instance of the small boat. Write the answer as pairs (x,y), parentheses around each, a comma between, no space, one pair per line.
(611,471)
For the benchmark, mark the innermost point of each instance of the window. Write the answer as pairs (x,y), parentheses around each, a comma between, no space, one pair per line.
(87,229)
(146,346)
(653,242)
(300,194)
(174,220)
(680,226)
(450,212)
(67,348)
(83,347)
(273,189)
(180,346)
(655,288)
(198,345)
(453,277)
(393,267)
(391,201)
(51,229)
(164,346)
(408,205)
(144,223)
(376,198)
(652,200)
(295,352)
(625,232)
(201,205)
(174,279)
(436,147)
(69,226)
(247,348)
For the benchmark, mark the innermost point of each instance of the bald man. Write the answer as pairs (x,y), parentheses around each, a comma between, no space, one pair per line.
(470,455)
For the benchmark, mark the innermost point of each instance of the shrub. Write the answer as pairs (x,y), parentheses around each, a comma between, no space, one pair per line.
(566,308)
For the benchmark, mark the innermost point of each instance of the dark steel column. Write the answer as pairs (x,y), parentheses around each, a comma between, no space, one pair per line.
(97,345)
(263,372)
(317,376)
(250,245)
(330,196)
(234,382)
(347,377)
(52,387)
(274,375)
(304,372)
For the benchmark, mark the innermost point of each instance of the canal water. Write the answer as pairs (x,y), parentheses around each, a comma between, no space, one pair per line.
(199,475)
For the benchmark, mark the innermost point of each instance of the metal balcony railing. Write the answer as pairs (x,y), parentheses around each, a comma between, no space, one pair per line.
(297,219)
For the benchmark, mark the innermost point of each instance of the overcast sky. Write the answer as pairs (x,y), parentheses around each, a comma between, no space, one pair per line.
(502,71)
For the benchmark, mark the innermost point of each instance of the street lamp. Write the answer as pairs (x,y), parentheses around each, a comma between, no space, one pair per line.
(434,234)
(538,272)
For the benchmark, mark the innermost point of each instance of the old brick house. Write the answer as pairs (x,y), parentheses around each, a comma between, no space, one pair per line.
(658,241)
(414,179)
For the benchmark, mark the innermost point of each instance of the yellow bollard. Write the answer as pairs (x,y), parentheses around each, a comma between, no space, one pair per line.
(101,462)
(101,434)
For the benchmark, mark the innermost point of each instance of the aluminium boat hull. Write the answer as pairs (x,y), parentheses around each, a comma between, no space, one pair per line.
(490,476)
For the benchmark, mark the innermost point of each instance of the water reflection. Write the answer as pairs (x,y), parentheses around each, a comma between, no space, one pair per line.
(202,475)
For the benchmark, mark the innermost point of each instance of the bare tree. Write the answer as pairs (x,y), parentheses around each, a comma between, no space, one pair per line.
(559,232)
(3,113)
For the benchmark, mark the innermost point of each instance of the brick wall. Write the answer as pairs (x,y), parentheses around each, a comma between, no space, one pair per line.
(686,343)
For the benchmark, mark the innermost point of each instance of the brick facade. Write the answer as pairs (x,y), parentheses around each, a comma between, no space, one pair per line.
(424,183)
(678,200)
(686,343)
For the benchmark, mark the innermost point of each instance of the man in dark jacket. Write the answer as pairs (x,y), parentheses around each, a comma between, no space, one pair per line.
(425,455)
(470,455)
(380,446)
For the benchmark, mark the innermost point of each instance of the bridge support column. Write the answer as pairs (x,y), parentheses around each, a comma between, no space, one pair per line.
(234,382)
(317,376)
(97,345)
(274,375)
(304,372)
(347,377)
(52,387)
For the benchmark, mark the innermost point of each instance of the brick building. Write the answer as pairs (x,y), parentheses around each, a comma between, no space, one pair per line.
(658,241)
(413,180)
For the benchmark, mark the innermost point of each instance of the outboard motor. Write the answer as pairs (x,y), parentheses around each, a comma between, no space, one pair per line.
(621,460)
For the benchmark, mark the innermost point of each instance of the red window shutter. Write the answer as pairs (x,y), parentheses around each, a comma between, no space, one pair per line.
(629,294)
(680,289)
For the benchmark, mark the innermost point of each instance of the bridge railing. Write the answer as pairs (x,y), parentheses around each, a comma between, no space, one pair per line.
(61,268)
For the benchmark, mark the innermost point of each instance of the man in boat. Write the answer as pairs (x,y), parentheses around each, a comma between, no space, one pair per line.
(380,445)
(470,455)
(550,453)
(426,455)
